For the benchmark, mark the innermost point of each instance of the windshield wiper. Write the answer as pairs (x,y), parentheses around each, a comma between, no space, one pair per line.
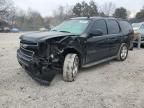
(65,31)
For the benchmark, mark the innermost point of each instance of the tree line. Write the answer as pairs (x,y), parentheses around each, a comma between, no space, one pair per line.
(33,20)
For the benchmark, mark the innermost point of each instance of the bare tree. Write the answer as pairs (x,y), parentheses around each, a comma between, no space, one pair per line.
(60,14)
(108,8)
(5,7)
(21,19)
(29,20)
(68,12)
(34,20)
(11,16)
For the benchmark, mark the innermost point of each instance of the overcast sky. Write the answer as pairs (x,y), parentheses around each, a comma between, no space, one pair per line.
(46,7)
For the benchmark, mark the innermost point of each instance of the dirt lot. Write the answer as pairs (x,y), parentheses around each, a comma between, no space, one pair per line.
(110,85)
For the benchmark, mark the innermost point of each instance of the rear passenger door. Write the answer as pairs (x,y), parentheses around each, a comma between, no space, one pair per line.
(114,36)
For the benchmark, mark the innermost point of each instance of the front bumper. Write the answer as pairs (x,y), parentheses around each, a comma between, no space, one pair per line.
(39,71)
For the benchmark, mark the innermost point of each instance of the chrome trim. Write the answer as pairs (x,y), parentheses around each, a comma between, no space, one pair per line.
(25,45)
(21,61)
(21,57)
(28,50)
(25,54)
(29,43)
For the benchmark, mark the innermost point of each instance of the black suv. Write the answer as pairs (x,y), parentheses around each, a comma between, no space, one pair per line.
(76,43)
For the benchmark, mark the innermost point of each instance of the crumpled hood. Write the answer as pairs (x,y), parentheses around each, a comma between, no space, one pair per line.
(40,36)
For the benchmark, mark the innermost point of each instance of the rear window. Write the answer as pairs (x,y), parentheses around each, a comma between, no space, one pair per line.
(125,26)
(113,27)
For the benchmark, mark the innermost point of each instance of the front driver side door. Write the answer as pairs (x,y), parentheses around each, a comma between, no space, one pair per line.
(97,46)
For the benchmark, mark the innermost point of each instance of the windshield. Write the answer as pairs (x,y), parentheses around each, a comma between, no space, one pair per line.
(136,25)
(72,26)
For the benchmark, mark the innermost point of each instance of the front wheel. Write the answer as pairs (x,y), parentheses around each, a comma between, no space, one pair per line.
(123,52)
(70,67)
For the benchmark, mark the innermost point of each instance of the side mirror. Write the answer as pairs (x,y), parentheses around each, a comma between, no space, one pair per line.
(96,32)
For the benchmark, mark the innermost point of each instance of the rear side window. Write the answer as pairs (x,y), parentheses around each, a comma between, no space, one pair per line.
(100,25)
(125,26)
(113,27)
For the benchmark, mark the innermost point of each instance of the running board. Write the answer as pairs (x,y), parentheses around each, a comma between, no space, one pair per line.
(99,62)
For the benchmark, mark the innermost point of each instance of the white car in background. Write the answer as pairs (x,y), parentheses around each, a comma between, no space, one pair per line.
(43,29)
(139,28)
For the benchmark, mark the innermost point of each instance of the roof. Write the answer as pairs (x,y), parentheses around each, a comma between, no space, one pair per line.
(92,18)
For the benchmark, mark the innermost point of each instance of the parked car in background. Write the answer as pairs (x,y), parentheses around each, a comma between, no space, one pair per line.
(4,26)
(14,30)
(139,29)
(76,43)
(4,29)
(43,29)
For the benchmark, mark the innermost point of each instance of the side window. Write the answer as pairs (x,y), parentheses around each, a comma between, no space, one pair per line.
(125,26)
(100,25)
(113,27)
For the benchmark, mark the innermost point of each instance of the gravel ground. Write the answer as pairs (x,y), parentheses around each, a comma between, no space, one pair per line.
(109,85)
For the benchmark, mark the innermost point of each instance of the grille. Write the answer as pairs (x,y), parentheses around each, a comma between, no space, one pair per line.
(26,52)
(28,42)
(27,48)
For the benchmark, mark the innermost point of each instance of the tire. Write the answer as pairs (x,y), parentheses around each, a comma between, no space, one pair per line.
(123,52)
(70,67)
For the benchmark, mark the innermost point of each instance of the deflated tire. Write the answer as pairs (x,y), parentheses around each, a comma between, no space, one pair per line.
(70,67)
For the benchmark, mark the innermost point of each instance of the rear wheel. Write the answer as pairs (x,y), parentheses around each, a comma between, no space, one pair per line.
(70,67)
(123,52)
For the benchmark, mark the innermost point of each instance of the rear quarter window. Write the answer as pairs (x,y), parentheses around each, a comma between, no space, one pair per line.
(113,27)
(126,27)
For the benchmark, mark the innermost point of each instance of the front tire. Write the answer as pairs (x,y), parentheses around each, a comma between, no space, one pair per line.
(123,52)
(70,67)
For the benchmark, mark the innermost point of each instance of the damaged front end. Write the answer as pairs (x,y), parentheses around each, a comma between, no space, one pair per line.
(41,60)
